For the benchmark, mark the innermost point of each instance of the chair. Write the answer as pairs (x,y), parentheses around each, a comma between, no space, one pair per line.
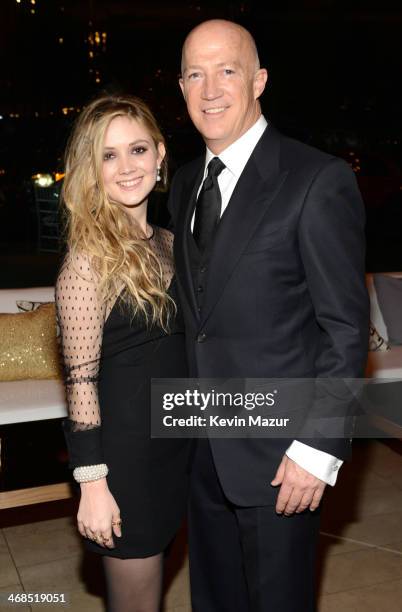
(47,216)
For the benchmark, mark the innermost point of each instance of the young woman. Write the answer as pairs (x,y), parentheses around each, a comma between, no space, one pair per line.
(120,327)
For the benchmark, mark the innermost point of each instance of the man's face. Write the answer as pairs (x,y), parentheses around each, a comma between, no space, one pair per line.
(221,84)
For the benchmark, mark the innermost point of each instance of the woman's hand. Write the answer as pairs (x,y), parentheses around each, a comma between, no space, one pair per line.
(98,514)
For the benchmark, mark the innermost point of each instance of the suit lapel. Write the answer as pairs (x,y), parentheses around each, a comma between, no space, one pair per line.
(182,230)
(256,188)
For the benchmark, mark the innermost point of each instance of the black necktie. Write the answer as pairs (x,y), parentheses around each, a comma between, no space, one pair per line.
(208,210)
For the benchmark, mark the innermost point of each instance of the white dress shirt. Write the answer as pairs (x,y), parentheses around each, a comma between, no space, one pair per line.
(235,157)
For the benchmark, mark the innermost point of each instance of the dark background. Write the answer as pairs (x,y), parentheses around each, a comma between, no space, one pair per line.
(334,66)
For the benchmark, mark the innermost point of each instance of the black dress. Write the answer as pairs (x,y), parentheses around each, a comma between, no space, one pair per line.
(110,358)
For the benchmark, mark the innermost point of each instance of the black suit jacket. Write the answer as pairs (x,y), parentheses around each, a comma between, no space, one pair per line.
(284,294)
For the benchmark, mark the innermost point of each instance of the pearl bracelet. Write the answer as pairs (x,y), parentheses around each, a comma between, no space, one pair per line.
(87,473)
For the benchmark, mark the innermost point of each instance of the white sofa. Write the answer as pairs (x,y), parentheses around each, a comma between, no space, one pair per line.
(30,400)
(386,364)
(35,400)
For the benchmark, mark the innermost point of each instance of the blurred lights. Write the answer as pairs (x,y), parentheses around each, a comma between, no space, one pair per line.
(68,109)
(43,180)
(354,162)
(61,41)
(97,43)
(95,38)
(47,179)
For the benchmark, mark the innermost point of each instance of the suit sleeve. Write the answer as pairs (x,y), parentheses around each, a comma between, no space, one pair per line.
(332,247)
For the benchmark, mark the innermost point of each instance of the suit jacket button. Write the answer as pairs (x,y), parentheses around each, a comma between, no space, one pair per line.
(203,269)
(200,288)
(201,337)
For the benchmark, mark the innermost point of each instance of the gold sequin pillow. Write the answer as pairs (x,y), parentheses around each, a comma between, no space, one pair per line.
(28,345)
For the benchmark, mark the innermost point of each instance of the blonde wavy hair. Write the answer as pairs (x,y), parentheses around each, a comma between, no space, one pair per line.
(99,228)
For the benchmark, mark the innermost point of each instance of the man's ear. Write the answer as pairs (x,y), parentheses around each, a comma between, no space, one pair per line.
(260,81)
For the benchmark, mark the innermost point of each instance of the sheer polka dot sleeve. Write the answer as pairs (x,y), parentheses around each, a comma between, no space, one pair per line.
(81,319)
(162,245)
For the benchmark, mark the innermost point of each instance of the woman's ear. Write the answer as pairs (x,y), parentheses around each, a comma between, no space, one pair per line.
(161,152)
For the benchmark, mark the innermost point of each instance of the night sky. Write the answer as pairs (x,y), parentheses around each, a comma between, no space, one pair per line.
(331,62)
(334,72)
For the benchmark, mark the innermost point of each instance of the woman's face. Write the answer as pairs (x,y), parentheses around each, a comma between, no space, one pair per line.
(130,162)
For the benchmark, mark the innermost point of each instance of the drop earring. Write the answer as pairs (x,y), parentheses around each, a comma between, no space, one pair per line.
(158,175)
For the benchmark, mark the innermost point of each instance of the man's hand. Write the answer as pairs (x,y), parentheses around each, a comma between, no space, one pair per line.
(299,489)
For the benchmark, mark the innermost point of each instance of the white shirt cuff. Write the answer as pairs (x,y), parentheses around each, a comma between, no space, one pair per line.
(320,464)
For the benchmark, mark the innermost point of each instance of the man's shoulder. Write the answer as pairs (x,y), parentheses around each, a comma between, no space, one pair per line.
(294,156)
(297,153)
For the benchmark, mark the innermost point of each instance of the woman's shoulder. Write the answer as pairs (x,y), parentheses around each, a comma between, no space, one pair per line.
(78,264)
(164,234)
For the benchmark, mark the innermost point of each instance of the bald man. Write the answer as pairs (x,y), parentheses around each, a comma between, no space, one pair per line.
(269,247)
